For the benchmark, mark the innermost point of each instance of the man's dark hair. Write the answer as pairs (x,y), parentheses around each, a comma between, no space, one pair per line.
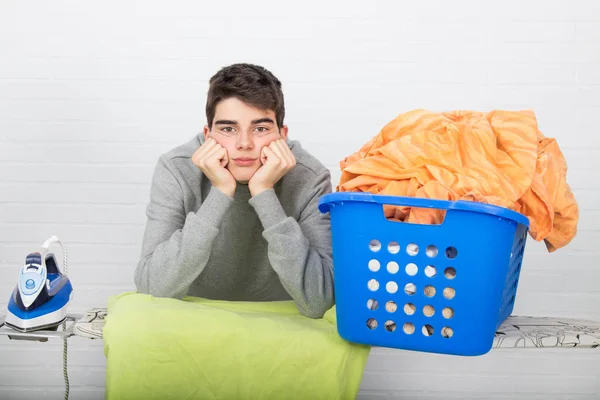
(252,84)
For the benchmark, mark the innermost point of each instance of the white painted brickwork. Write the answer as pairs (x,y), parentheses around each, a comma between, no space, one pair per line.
(91,93)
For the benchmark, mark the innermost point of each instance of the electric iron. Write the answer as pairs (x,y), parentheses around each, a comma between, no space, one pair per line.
(40,298)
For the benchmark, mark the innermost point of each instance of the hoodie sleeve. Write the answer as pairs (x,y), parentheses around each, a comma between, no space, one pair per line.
(300,250)
(176,246)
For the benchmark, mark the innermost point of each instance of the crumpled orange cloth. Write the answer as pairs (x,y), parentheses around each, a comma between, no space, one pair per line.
(499,157)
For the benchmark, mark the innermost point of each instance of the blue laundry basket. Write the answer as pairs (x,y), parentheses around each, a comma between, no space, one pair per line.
(433,288)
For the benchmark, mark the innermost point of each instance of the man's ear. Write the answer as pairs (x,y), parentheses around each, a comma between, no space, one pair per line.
(283,131)
(206,132)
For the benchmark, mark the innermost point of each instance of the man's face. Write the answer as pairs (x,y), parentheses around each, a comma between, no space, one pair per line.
(243,131)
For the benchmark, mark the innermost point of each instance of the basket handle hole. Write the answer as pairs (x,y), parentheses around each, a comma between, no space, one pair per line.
(414,215)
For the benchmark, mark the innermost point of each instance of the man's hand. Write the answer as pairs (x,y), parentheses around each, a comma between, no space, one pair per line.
(277,160)
(212,159)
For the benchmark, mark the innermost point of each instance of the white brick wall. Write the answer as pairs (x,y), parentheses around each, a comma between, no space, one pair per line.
(92,93)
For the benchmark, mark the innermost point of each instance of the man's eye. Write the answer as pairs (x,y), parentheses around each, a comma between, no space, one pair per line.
(262,129)
(227,129)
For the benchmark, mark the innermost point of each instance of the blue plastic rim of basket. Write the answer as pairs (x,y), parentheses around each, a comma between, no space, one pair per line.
(434,288)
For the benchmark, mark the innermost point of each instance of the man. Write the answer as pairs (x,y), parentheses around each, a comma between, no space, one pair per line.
(233,213)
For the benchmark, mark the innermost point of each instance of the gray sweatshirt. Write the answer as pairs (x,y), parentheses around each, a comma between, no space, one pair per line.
(274,246)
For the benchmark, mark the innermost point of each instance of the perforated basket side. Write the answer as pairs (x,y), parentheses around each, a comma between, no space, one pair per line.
(480,271)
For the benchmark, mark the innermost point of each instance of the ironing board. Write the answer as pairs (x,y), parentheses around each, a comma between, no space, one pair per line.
(545,332)
(88,325)
(515,332)
(41,336)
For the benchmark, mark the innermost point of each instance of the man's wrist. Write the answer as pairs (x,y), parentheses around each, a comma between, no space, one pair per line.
(268,208)
(229,191)
(255,190)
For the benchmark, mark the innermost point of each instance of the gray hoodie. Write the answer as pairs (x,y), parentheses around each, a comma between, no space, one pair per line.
(201,242)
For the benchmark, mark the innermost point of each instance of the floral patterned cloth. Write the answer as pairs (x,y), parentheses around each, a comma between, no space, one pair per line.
(519,331)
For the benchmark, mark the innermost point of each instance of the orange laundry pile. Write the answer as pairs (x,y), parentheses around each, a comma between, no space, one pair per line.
(499,158)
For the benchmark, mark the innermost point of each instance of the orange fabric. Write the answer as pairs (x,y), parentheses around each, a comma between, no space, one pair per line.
(498,158)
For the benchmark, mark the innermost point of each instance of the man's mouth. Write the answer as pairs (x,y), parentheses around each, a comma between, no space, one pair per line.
(244,161)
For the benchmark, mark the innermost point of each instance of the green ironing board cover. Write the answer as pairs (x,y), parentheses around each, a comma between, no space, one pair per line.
(159,348)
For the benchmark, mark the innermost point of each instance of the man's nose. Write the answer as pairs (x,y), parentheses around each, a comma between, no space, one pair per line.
(245,140)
